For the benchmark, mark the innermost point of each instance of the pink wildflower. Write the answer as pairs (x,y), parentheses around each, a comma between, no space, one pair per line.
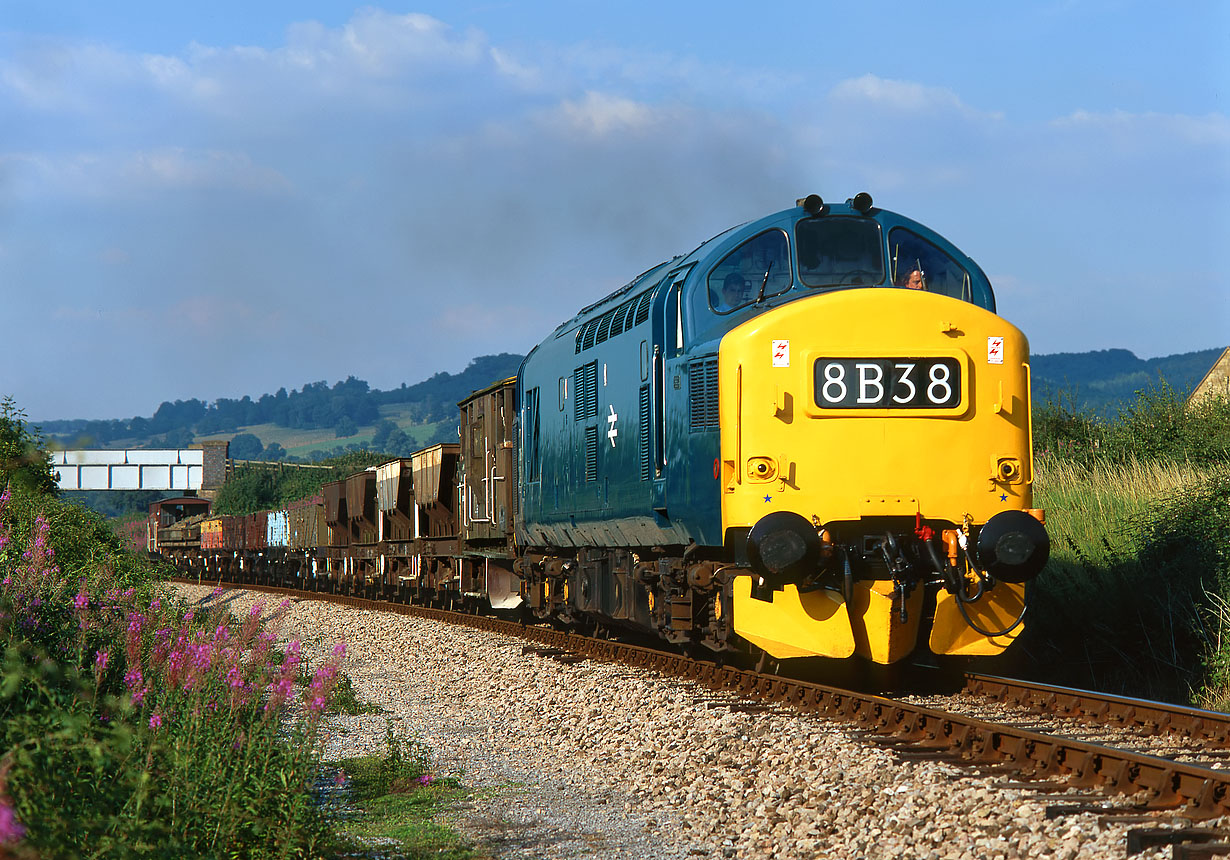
(10,828)
(133,678)
(175,666)
(155,721)
(132,644)
(100,661)
(339,650)
(81,601)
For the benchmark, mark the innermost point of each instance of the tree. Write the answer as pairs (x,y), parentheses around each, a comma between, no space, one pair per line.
(23,459)
(345,426)
(274,451)
(398,444)
(245,446)
(180,437)
(381,436)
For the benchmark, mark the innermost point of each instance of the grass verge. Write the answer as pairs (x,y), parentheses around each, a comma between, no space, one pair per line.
(1139,568)
(390,803)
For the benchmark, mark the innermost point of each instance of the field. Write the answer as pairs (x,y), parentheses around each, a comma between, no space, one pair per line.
(302,443)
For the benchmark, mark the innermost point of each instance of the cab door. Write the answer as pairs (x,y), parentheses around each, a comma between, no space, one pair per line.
(670,395)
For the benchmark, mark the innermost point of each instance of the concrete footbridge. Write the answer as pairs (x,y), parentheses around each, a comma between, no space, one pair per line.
(167,469)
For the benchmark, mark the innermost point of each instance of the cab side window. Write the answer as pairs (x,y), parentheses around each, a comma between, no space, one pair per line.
(761,262)
(916,264)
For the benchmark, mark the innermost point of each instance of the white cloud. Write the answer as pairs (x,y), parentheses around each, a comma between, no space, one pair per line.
(1212,129)
(903,97)
(601,114)
(526,75)
(101,175)
(178,169)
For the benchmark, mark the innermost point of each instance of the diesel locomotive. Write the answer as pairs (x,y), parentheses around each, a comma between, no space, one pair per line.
(810,436)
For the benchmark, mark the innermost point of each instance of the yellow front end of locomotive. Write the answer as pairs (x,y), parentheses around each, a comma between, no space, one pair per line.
(871,408)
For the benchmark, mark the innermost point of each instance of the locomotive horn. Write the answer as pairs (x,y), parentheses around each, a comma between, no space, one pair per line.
(1013,546)
(812,204)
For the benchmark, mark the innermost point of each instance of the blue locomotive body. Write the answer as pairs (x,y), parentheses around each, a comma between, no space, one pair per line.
(619,406)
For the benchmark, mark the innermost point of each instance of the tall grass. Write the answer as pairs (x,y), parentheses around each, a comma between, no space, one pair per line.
(1098,500)
(1138,566)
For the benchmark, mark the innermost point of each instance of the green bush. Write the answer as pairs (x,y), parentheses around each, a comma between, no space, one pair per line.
(261,488)
(131,725)
(134,726)
(24,463)
(1158,425)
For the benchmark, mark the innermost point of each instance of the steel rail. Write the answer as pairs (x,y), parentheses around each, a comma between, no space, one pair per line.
(1149,717)
(1202,793)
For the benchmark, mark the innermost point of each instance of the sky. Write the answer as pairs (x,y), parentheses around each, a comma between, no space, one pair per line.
(223,199)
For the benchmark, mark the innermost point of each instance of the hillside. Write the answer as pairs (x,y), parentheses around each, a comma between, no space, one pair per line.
(1103,381)
(312,423)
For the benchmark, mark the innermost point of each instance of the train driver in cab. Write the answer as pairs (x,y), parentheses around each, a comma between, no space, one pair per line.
(914,280)
(733,293)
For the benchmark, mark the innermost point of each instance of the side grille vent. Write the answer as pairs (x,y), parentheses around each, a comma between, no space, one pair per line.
(616,321)
(646,451)
(591,453)
(585,382)
(642,308)
(703,395)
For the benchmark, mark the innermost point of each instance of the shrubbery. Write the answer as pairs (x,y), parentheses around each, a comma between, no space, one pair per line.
(1139,509)
(1158,425)
(262,488)
(130,724)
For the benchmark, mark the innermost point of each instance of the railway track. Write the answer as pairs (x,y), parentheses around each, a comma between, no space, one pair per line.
(1053,740)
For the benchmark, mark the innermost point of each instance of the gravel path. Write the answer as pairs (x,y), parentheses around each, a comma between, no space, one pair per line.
(593,760)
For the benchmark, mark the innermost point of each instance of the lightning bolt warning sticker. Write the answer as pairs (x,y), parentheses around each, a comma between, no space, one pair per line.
(781,353)
(995,350)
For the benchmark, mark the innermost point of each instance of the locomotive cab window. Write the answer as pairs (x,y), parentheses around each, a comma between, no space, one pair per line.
(760,264)
(839,252)
(915,263)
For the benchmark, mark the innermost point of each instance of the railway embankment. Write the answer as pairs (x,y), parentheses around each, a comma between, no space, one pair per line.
(567,758)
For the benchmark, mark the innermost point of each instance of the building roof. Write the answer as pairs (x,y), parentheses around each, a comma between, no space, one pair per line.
(1216,382)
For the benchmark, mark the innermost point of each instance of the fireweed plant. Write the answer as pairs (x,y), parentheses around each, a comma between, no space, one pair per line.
(133,725)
